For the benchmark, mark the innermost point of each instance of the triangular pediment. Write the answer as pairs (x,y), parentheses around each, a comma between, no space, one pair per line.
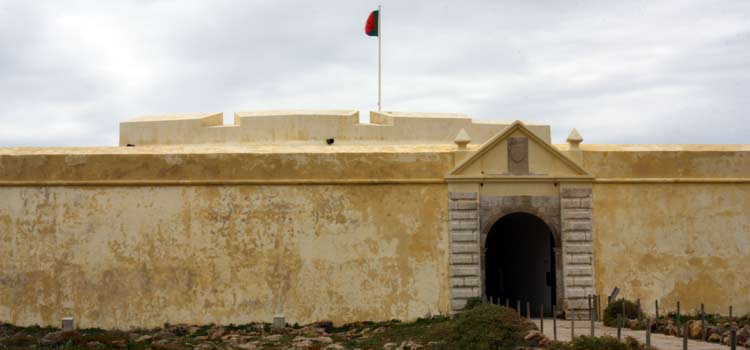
(517,152)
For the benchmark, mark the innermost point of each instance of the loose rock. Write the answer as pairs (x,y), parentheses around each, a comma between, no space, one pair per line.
(714,338)
(695,330)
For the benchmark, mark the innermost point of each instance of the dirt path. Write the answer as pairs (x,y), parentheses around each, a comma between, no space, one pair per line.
(660,341)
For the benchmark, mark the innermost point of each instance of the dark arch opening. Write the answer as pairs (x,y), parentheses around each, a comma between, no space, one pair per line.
(520,262)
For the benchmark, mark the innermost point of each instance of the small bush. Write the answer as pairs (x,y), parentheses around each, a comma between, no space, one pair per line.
(614,309)
(488,326)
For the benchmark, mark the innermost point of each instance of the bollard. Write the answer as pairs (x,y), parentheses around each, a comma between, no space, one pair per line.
(733,339)
(279,322)
(619,327)
(572,328)
(528,310)
(68,324)
(656,307)
(596,308)
(541,317)
(684,336)
(648,333)
(554,322)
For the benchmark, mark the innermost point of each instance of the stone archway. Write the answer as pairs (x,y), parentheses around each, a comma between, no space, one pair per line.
(519,262)
(544,208)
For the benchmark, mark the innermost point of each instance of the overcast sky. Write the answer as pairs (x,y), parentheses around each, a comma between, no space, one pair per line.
(619,71)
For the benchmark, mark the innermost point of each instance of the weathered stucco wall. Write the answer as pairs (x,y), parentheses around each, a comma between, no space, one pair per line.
(675,242)
(125,256)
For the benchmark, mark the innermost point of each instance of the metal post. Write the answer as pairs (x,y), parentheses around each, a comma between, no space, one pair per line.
(572,329)
(656,307)
(703,322)
(638,304)
(598,307)
(679,320)
(733,338)
(528,310)
(541,317)
(648,333)
(518,307)
(619,327)
(507,302)
(684,336)
(554,322)
(730,315)
(591,316)
(380,36)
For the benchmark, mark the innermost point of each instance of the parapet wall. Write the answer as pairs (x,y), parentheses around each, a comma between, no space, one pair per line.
(310,126)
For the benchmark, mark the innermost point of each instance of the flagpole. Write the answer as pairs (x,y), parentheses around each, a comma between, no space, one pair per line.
(380,35)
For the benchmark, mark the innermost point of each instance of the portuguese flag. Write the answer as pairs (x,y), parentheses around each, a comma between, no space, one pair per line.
(371,26)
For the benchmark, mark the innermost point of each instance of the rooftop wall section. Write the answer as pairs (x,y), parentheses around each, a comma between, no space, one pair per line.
(309,127)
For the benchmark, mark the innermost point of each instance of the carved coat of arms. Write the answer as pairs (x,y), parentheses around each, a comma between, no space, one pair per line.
(518,148)
(518,153)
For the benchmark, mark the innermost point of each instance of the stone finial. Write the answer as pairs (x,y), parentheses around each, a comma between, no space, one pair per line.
(462,139)
(574,139)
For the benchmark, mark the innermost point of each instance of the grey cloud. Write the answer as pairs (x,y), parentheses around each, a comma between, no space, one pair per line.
(621,72)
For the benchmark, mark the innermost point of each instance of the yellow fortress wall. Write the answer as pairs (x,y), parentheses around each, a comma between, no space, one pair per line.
(142,256)
(230,231)
(673,222)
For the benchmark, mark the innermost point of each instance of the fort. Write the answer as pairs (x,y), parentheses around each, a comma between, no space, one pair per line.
(313,215)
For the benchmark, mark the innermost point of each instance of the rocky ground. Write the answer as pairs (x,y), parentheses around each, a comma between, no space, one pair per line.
(714,330)
(393,335)
(485,327)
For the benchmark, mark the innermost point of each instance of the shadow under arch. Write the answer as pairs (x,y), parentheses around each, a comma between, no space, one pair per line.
(521,260)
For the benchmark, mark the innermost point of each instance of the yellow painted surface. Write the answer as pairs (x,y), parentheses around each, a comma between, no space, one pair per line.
(226,163)
(262,217)
(310,126)
(684,161)
(142,256)
(682,242)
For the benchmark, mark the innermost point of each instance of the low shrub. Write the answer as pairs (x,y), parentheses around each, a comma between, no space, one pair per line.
(488,327)
(615,308)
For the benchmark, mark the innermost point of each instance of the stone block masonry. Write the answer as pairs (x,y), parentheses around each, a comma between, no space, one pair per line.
(578,249)
(465,270)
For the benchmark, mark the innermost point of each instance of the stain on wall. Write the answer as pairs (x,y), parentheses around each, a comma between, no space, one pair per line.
(142,256)
(674,242)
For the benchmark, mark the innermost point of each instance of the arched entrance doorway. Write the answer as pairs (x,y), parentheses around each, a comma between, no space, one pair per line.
(519,261)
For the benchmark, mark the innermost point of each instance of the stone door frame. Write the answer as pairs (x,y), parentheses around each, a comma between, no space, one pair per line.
(546,208)
(569,217)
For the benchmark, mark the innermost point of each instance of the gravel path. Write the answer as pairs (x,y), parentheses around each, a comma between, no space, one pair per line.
(660,341)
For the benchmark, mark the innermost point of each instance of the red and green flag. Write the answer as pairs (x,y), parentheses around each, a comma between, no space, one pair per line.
(371,26)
